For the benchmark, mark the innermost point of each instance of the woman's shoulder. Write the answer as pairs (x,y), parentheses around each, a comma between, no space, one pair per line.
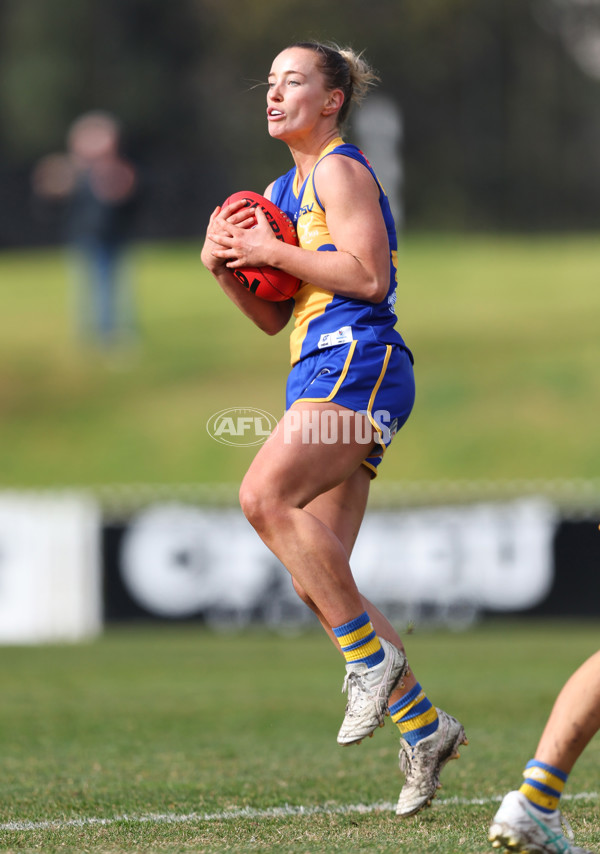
(344,162)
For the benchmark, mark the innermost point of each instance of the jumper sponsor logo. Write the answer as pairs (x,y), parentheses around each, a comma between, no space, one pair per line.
(333,339)
(332,426)
(306,209)
(242,426)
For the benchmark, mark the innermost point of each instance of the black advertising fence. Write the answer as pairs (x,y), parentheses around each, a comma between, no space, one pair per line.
(448,562)
(73,562)
(576,554)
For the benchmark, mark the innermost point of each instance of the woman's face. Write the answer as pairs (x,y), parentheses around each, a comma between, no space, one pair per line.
(297,99)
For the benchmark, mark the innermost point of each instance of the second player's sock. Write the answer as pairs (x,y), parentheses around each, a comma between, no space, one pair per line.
(543,785)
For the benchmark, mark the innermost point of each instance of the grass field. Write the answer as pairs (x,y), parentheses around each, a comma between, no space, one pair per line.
(505,332)
(173,739)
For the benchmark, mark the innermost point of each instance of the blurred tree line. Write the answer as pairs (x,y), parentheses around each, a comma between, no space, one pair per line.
(500,102)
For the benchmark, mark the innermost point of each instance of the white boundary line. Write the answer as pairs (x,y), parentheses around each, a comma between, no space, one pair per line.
(249,812)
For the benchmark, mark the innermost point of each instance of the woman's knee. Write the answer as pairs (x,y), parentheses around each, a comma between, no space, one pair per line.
(258,503)
(249,497)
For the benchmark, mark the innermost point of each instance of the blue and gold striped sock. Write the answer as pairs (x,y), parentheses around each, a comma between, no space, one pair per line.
(359,642)
(414,715)
(543,785)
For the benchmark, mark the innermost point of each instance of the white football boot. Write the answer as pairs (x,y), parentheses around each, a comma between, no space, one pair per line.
(520,827)
(368,693)
(422,764)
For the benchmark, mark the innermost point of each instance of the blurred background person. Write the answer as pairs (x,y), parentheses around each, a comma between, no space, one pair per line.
(99,187)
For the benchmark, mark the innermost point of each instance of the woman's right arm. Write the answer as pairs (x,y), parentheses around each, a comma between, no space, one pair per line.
(271,317)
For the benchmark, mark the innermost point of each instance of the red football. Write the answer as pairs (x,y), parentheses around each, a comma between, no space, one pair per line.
(268,282)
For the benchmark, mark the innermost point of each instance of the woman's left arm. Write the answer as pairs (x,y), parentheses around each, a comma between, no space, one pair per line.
(361,266)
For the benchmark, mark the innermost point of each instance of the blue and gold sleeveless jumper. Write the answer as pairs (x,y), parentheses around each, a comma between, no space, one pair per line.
(344,349)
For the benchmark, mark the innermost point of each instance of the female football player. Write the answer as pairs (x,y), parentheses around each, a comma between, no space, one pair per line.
(350,389)
(529,818)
